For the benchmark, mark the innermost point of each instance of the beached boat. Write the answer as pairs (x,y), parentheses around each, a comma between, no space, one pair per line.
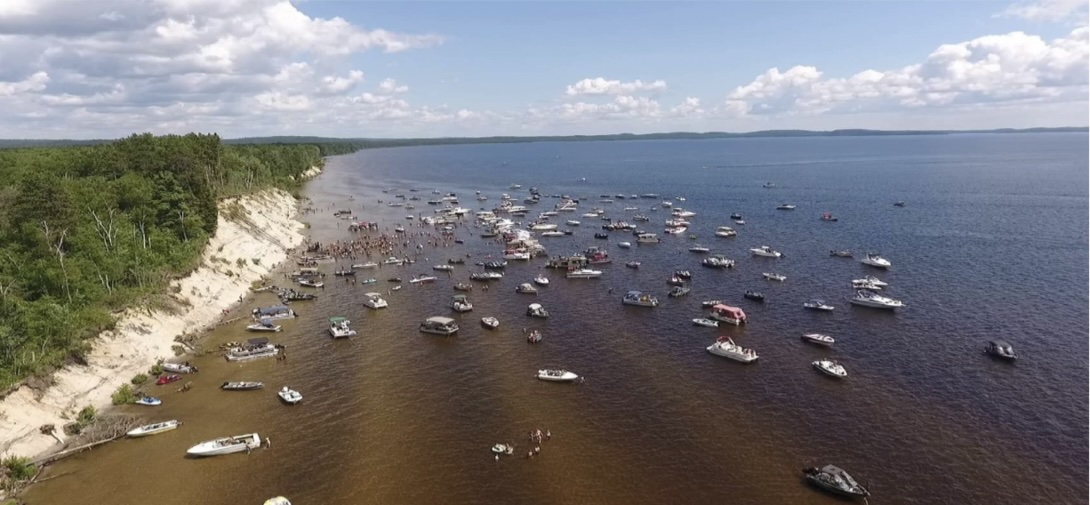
(834,480)
(226,445)
(149,401)
(338,327)
(460,303)
(556,375)
(289,396)
(179,368)
(374,301)
(439,326)
(728,314)
(167,379)
(709,323)
(264,324)
(818,338)
(242,386)
(536,310)
(726,348)
(490,322)
(153,429)
(526,288)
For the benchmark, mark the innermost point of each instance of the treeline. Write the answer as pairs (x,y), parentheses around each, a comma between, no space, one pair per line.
(88,231)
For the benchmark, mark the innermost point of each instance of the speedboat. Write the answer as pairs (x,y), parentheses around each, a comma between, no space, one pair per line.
(818,338)
(834,480)
(647,238)
(684,274)
(639,299)
(149,401)
(555,233)
(442,268)
(486,276)
(439,326)
(828,217)
(831,368)
(463,286)
(725,231)
(774,276)
(871,299)
(310,283)
(786,206)
(898,204)
(290,396)
(338,327)
(739,222)
(711,303)
(699,249)
(167,379)
(736,216)
(718,261)
(393,261)
(460,303)
(1000,349)
(876,281)
(572,222)
(541,280)
(242,386)
(503,449)
(536,310)
(816,304)
(700,321)
(556,375)
(624,245)
(754,295)
(865,284)
(179,368)
(153,429)
(374,301)
(422,279)
(726,348)
(843,253)
(676,281)
(226,445)
(264,325)
(766,251)
(876,261)
(584,273)
(678,292)
(526,288)
(490,322)
(534,337)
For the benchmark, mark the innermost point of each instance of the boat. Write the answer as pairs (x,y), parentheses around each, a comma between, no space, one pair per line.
(289,396)
(463,286)
(241,386)
(876,261)
(679,292)
(456,261)
(639,299)
(541,280)
(1000,349)
(831,368)
(460,303)
(494,265)
(338,327)
(604,236)
(254,348)
(828,217)
(739,222)
(584,273)
(898,204)
(766,252)
(711,303)
(875,281)
(534,337)
(536,310)
(264,324)
(717,261)
(309,283)
(769,185)
(555,233)
(526,288)
(439,326)
(843,253)
(226,445)
(725,231)
(393,261)
(676,231)
(624,245)
(399,229)
(816,304)
(699,249)
(149,401)
(675,281)
(728,314)
(724,346)
(442,268)
(273,312)
(364,266)
(786,206)
(153,429)
(374,301)
(278,500)
(754,295)
(736,216)
(503,449)
(834,480)
(871,299)
(490,322)
(422,279)
(372,280)
(167,379)
(633,264)
(647,238)
(556,375)
(291,295)
(710,323)
(684,274)
(865,284)
(818,338)
(179,368)
(486,276)
(772,276)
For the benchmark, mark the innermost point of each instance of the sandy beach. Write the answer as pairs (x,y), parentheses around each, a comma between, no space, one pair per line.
(254,236)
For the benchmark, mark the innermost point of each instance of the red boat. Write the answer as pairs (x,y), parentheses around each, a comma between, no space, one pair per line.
(167,379)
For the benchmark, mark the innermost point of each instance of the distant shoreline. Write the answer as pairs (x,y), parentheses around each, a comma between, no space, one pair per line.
(366,143)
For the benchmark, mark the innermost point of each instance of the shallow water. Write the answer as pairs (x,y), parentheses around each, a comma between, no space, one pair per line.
(992,243)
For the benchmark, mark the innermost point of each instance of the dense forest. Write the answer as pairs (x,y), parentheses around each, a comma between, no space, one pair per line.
(87,231)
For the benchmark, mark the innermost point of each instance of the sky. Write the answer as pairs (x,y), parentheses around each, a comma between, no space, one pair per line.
(109,68)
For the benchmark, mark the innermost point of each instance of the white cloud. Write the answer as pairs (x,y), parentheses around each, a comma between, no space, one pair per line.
(688,108)
(334,84)
(1014,67)
(390,86)
(1047,10)
(36,82)
(601,86)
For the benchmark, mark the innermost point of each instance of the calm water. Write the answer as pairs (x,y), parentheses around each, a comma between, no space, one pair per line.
(992,243)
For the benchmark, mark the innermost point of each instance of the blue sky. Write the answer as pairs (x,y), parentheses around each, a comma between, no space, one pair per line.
(346,68)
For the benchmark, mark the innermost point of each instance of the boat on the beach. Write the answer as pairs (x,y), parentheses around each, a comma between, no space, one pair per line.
(725,347)
(179,368)
(338,327)
(553,375)
(831,368)
(438,325)
(264,324)
(490,322)
(149,401)
(226,445)
(242,386)
(818,338)
(834,480)
(374,301)
(153,429)
(289,396)
(167,379)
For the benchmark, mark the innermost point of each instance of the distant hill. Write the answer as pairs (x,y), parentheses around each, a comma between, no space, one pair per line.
(339,145)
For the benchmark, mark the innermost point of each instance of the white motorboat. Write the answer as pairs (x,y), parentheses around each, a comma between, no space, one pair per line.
(1001,349)
(443,268)
(153,429)
(818,338)
(739,222)
(584,273)
(556,375)
(543,227)
(766,252)
(149,401)
(541,280)
(835,480)
(786,206)
(507,449)
(699,249)
(264,325)
(242,386)
(725,231)
(490,322)
(718,261)
(374,301)
(226,445)
(572,222)
(624,245)
(726,348)
(439,326)
(865,284)
(866,298)
(486,276)
(422,279)
(639,299)
(816,304)
(179,368)
(875,281)
(553,234)
(290,396)
(278,500)
(676,231)
(647,238)
(831,368)
(526,288)
(310,283)
(876,261)
(393,261)
(774,276)
(516,255)
(338,327)
(536,310)
(460,303)
(364,266)
(700,321)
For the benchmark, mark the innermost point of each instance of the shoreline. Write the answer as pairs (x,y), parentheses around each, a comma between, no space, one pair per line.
(255,235)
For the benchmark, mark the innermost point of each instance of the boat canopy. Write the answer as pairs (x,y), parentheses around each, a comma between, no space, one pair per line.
(733,312)
(372,295)
(439,320)
(267,322)
(275,309)
(338,319)
(258,341)
(534,306)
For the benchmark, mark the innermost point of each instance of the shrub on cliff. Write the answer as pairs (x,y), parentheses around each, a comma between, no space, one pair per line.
(139,379)
(16,470)
(124,395)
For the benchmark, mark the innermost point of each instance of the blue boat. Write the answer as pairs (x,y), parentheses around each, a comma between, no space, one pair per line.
(149,401)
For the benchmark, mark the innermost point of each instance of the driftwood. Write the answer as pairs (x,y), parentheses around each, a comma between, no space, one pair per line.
(104,430)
